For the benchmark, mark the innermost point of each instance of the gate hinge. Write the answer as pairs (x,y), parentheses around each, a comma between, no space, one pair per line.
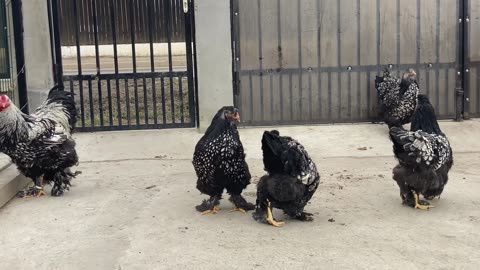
(185,6)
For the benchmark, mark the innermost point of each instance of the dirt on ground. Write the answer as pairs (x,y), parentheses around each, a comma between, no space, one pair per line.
(133,208)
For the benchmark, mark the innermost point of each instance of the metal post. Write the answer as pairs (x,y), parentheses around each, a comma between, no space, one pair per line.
(19,56)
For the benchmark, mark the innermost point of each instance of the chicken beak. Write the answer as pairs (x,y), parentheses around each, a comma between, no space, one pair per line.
(236,116)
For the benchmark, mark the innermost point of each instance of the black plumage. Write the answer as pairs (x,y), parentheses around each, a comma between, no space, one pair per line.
(292,179)
(397,98)
(219,162)
(40,144)
(424,155)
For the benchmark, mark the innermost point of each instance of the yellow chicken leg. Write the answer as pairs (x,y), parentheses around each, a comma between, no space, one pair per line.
(270,218)
(239,210)
(211,211)
(418,205)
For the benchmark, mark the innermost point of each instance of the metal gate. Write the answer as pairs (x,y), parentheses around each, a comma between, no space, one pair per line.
(130,63)
(315,61)
(472,14)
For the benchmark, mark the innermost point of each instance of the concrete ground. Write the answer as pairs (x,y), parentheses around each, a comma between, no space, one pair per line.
(133,208)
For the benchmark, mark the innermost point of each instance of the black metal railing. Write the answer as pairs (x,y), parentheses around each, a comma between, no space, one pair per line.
(143,90)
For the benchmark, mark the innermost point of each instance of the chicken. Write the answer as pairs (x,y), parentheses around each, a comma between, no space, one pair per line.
(424,155)
(397,98)
(219,162)
(292,179)
(41,144)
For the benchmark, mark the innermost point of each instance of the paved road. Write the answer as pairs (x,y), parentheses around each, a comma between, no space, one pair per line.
(110,220)
(125,64)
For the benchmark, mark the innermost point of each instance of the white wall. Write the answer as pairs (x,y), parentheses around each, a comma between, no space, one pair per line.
(214,57)
(38,60)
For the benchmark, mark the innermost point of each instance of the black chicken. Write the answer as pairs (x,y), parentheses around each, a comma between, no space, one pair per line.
(291,181)
(219,162)
(40,144)
(397,98)
(424,155)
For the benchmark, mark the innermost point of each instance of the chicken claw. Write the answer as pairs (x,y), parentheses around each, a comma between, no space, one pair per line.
(421,206)
(239,210)
(211,211)
(270,218)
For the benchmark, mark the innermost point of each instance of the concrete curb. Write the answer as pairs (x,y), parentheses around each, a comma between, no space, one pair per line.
(125,50)
(11,181)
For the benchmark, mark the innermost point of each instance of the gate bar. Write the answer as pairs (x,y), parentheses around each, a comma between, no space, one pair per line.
(17,18)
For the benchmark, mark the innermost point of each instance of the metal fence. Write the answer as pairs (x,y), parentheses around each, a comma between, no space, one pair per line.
(314,61)
(7,57)
(140,9)
(126,96)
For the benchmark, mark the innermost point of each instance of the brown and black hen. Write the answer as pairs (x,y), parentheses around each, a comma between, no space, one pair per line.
(291,181)
(219,161)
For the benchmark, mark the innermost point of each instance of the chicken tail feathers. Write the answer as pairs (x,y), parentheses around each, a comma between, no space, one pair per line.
(58,95)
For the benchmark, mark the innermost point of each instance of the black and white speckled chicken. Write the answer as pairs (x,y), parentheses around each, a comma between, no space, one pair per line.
(397,98)
(291,181)
(219,161)
(41,144)
(424,155)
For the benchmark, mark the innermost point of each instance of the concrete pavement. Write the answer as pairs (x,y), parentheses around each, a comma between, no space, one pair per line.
(133,208)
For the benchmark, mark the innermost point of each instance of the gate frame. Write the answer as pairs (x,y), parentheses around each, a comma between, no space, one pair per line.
(191,71)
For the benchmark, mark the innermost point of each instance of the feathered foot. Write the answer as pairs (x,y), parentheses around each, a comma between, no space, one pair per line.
(32,192)
(270,219)
(420,204)
(241,204)
(304,216)
(209,206)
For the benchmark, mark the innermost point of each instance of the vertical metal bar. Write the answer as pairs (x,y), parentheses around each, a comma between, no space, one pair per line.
(164,110)
(330,96)
(437,57)
(168,11)
(115,58)
(127,99)
(134,59)
(466,58)
(58,65)
(359,59)
(280,57)
(189,36)
(71,86)
(17,18)
(300,64)
(339,59)
(145,99)
(460,95)
(398,33)
(151,23)
(319,57)
(97,61)
(310,114)
(349,95)
(250,86)
(180,92)
(290,89)
(272,115)
(236,61)
(90,97)
(378,14)
(195,97)
(110,110)
(260,57)
(368,94)
(419,29)
(79,60)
